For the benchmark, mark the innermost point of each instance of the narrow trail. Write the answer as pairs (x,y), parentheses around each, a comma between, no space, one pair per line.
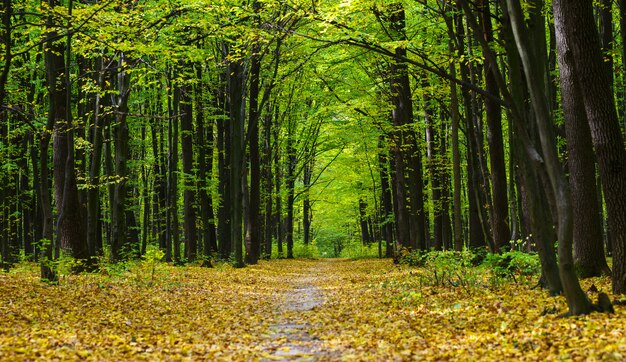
(289,338)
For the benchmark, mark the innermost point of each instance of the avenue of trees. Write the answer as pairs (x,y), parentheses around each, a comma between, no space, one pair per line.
(238,129)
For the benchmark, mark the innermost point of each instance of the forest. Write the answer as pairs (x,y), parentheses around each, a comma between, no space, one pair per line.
(271,164)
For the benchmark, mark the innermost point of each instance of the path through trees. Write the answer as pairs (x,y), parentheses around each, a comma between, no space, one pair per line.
(320,310)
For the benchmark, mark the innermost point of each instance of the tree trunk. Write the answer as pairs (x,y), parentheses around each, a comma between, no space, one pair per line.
(434,168)
(236,82)
(253,224)
(407,176)
(278,175)
(454,141)
(120,245)
(523,149)
(172,243)
(268,184)
(499,212)
(386,199)
(476,234)
(94,238)
(223,142)
(290,183)
(189,195)
(205,171)
(365,234)
(587,233)
(578,31)
(576,299)
(306,202)
(621,93)
(69,221)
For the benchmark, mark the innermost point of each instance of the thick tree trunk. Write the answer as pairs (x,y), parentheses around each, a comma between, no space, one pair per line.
(588,243)
(576,28)
(576,299)
(407,176)
(236,82)
(605,12)
(621,94)
(533,196)
(69,221)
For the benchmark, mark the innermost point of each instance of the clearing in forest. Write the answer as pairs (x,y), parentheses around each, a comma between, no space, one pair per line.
(304,310)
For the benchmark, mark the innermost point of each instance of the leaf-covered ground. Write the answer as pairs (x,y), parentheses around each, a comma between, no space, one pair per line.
(296,310)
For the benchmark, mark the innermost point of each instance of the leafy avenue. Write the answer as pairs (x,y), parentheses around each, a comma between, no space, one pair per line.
(368,310)
(163,157)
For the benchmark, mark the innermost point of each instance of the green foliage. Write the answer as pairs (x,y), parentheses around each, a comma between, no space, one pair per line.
(443,268)
(149,268)
(330,242)
(356,250)
(300,250)
(412,258)
(513,263)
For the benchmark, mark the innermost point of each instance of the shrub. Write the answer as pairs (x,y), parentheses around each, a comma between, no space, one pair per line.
(512,263)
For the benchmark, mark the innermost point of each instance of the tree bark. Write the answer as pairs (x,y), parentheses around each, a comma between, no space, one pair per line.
(235,94)
(224,230)
(120,246)
(290,182)
(577,29)
(70,228)
(407,176)
(587,233)
(205,171)
(499,212)
(365,234)
(576,299)
(386,213)
(253,224)
(189,194)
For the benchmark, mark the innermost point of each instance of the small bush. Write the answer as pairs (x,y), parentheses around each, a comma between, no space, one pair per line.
(512,263)
(443,268)
(412,258)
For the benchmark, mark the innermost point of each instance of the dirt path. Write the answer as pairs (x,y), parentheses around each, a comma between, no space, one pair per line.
(289,339)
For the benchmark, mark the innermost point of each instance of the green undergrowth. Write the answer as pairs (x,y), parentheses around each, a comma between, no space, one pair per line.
(470,268)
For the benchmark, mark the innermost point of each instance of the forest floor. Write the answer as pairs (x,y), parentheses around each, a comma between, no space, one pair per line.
(297,310)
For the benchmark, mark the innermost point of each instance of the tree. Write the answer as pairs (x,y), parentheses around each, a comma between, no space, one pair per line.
(499,213)
(189,194)
(576,31)
(69,221)
(576,299)
(587,233)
